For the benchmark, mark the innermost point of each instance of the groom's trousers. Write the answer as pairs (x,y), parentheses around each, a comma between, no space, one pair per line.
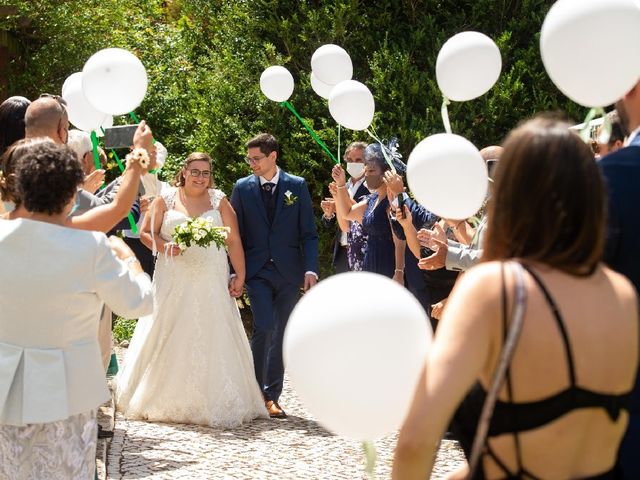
(272,299)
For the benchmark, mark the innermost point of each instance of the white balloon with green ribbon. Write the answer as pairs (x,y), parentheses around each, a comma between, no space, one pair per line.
(467,67)
(351,104)
(331,64)
(590,51)
(108,123)
(337,357)
(277,84)
(114,81)
(442,162)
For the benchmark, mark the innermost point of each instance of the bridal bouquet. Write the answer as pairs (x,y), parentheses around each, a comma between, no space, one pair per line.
(199,231)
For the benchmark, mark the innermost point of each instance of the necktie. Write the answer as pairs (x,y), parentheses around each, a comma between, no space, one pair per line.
(268,199)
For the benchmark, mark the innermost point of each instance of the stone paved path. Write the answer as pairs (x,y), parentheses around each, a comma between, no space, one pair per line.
(295,448)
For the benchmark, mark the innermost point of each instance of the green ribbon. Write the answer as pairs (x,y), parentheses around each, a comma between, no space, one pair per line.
(310,130)
(444,111)
(370,459)
(94,144)
(383,148)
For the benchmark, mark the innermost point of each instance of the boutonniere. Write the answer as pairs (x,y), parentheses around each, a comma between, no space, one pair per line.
(289,198)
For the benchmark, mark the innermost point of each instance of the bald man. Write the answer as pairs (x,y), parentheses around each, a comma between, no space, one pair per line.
(47,117)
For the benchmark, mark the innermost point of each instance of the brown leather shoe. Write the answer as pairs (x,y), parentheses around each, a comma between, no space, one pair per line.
(275,411)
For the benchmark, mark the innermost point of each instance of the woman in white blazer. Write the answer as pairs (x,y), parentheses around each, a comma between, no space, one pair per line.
(53,283)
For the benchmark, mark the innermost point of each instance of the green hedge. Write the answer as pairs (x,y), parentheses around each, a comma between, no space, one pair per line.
(204,59)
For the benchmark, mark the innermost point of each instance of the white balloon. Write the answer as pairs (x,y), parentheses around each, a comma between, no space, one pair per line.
(114,81)
(321,88)
(351,104)
(108,123)
(82,114)
(338,357)
(331,64)
(276,83)
(590,49)
(443,162)
(468,65)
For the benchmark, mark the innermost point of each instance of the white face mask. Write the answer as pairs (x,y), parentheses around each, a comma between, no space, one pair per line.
(355,170)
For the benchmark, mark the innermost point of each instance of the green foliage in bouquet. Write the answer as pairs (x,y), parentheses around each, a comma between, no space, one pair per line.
(201,232)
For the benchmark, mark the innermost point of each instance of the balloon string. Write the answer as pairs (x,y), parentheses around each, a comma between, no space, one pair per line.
(370,459)
(310,130)
(445,114)
(132,221)
(339,128)
(383,148)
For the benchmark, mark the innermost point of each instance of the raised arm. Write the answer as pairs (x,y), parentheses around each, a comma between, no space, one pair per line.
(345,207)
(105,217)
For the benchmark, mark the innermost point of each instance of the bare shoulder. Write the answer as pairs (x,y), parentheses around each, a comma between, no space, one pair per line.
(622,287)
(478,291)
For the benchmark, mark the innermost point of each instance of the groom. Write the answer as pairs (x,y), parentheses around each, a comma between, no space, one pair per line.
(280,242)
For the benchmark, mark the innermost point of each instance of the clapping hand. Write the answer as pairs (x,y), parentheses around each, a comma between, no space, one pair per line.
(437,309)
(333,189)
(339,176)
(426,237)
(93,181)
(436,240)
(328,206)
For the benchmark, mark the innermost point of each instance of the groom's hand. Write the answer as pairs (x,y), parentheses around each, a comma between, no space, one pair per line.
(309,281)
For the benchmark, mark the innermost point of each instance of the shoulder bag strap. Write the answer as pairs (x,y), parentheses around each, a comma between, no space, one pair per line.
(499,375)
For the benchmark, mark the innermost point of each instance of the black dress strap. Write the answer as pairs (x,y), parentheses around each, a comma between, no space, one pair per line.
(559,322)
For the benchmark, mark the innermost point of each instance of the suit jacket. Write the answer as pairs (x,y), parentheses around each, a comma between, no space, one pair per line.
(88,201)
(460,257)
(621,171)
(362,191)
(53,283)
(290,241)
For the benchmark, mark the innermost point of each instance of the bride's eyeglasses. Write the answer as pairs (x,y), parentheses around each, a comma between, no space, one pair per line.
(194,172)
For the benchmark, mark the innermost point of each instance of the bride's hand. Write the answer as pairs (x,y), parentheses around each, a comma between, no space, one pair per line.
(171,249)
(236,287)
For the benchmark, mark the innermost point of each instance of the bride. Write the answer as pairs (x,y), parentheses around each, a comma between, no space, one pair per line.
(190,361)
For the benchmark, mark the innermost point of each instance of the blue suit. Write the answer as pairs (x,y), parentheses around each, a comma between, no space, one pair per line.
(621,171)
(277,253)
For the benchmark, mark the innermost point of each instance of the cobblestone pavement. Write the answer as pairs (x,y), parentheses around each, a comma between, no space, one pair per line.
(294,448)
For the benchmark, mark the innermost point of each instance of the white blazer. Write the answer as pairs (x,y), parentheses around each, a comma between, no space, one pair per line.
(53,283)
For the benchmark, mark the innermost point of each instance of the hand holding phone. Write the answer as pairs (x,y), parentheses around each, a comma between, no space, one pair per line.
(120,136)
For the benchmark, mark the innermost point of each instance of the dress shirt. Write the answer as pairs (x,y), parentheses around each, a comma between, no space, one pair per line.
(632,135)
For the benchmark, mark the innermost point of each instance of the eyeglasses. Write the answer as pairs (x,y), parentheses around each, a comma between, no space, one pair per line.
(194,172)
(251,160)
(57,98)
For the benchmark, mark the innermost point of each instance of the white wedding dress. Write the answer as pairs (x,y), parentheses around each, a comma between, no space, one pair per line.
(190,362)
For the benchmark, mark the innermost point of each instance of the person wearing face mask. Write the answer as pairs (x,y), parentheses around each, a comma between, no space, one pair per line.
(384,252)
(347,251)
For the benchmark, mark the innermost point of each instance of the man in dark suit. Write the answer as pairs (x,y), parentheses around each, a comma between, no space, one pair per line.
(621,171)
(278,232)
(354,157)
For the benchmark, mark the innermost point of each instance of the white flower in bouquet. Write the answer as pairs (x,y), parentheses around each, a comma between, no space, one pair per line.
(201,232)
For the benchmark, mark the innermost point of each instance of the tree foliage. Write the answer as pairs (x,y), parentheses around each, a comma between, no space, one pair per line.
(204,59)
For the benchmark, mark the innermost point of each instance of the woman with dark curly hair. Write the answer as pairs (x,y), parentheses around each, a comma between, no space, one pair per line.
(52,378)
(543,294)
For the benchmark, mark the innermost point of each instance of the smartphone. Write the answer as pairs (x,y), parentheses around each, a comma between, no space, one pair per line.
(120,136)
(401,204)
